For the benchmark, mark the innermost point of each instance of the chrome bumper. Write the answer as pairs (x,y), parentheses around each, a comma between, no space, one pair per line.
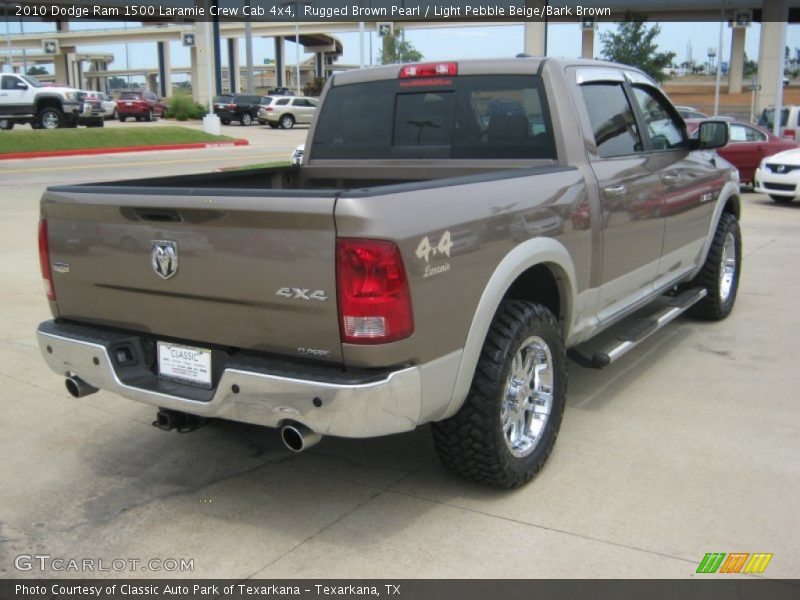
(391,404)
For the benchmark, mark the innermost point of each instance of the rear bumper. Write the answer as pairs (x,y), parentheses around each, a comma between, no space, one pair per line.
(251,390)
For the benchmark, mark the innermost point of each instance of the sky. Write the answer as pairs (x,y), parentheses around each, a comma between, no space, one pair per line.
(446,43)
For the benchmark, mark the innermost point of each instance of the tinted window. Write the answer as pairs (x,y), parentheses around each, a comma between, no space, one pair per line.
(666,132)
(9,83)
(130,96)
(266,100)
(465,117)
(223,99)
(612,119)
(282,101)
(151,96)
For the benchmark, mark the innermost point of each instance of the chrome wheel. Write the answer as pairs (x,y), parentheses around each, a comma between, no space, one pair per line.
(727,271)
(528,397)
(50,120)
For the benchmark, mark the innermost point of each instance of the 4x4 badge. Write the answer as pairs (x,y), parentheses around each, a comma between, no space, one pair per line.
(165,258)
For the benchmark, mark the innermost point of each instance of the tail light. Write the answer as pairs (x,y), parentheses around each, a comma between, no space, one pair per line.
(269,109)
(429,70)
(374,298)
(231,107)
(44,261)
(788,134)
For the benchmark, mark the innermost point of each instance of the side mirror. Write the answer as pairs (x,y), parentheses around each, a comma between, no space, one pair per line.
(711,134)
(21,85)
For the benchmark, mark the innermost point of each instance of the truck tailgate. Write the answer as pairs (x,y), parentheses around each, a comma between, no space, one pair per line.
(249,271)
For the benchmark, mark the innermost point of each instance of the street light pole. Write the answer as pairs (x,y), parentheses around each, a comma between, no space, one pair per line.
(296,4)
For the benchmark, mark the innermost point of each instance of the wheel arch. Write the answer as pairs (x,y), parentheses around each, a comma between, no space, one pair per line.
(728,202)
(48,101)
(538,270)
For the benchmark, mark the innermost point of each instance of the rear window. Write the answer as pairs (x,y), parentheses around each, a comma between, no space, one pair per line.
(130,96)
(223,99)
(502,116)
(266,100)
(767,118)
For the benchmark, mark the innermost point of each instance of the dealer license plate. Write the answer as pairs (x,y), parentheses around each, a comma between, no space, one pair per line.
(185,364)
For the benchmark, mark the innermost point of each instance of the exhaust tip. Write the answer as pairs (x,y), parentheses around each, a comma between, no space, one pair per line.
(297,437)
(78,388)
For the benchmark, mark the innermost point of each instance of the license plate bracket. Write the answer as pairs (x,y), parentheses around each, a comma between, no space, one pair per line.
(184,364)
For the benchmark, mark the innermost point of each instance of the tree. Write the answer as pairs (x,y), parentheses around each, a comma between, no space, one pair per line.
(116,83)
(397,50)
(633,44)
(37,71)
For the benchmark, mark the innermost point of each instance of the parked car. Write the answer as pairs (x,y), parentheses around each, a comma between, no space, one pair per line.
(689,112)
(747,146)
(262,110)
(352,300)
(790,121)
(238,107)
(285,112)
(109,106)
(779,176)
(92,114)
(297,155)
(140,105)
(281,91)
(25,99)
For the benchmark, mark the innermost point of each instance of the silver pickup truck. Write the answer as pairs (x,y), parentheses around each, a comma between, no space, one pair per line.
(453,230)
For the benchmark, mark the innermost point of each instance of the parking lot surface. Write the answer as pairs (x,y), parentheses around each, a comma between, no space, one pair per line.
(686,446)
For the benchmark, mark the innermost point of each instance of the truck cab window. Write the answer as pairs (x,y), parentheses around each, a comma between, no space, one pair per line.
(612,119)
(666,132)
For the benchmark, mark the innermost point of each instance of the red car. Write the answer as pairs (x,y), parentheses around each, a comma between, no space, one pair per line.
(747,145)
(140,105)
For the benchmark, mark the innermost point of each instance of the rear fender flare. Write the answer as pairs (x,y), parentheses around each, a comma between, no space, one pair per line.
(538,251)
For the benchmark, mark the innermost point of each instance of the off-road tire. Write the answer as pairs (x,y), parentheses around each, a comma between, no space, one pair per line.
(472,444)
(713,307)
(781,199)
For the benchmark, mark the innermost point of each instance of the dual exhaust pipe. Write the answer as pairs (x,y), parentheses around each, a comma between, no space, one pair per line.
(295,436)
(78,388)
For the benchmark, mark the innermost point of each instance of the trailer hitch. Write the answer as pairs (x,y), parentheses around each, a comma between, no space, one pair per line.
(167,420)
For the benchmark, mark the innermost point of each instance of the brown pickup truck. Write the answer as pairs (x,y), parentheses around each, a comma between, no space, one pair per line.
(453,230)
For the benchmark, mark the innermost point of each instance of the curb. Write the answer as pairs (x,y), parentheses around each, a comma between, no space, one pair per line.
(90,151)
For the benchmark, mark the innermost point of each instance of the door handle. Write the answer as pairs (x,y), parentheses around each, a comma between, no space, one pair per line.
(615,191)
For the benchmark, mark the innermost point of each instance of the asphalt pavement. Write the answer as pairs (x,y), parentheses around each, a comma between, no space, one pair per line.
(686,446)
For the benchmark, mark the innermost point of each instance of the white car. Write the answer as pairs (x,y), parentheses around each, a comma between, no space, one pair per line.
(297,155)
(779,176)
(109,106)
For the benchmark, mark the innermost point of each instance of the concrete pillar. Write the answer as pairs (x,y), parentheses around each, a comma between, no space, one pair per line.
(320,65)
(164,70)
(774,16)
(535,38)
(202,55)
(152,83)
(736,64)
(233,65)
(280,53)
(587,43)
